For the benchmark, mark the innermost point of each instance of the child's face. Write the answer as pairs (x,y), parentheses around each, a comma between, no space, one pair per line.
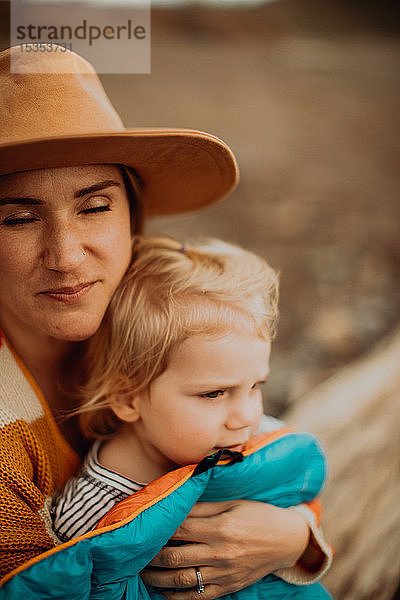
(208,398)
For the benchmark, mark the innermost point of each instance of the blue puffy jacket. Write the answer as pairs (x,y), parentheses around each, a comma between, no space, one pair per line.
(283,468)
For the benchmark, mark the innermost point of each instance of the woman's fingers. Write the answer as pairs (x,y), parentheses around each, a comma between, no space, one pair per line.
(216,582)
(175,578)
(210,593)
(185,580)
(206,521)
(209,509)
(196,529)
(174,557)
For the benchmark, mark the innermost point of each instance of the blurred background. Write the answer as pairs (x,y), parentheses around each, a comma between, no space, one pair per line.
(307,95)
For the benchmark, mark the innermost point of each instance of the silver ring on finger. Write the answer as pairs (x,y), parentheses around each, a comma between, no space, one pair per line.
(200,589)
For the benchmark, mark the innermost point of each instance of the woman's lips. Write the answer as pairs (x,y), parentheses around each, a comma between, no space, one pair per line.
(69,295)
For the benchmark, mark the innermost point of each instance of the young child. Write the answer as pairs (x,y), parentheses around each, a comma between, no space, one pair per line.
(175,372)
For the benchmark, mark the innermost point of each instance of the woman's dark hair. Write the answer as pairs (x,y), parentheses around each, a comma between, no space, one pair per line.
(133,186)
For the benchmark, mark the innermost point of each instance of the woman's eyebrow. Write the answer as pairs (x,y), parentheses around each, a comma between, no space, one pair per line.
(96,187)
(25,201)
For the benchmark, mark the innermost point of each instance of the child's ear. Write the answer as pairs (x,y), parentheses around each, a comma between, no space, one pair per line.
(126,407)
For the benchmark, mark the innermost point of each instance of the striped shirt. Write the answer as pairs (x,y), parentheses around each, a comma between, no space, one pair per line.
(86,498)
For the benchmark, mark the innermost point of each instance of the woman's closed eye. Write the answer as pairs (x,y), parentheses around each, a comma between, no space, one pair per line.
(95,205)
(96,209)
(19,219)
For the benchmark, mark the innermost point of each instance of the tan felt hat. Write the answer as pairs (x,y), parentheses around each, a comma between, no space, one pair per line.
(64,118)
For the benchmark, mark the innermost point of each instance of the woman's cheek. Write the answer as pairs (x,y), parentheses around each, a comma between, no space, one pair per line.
(18,256)
(116,244)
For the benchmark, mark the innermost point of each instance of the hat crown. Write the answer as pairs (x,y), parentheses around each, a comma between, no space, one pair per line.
(51,94)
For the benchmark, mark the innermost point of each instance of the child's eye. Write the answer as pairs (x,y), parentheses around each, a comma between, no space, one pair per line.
(214,394)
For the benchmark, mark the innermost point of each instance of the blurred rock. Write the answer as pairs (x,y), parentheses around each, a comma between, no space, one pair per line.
(356,415)
(334,331)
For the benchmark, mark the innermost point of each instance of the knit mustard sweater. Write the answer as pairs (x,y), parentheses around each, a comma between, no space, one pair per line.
(34,461)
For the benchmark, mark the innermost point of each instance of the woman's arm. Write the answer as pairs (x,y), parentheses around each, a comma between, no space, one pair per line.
(237,543)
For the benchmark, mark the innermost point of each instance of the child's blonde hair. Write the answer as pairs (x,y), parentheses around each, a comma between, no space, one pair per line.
(169,293)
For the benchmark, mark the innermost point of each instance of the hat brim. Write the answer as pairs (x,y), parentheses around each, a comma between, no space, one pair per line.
(181,170)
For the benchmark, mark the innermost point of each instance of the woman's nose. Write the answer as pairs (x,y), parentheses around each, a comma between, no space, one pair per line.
(245,411)
(63,249)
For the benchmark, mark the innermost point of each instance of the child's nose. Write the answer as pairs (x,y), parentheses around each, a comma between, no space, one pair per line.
(244,412)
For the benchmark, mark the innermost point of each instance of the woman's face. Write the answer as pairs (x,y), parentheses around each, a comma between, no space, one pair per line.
(65,243)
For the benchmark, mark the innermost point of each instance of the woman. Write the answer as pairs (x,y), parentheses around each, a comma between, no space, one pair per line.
(68,210)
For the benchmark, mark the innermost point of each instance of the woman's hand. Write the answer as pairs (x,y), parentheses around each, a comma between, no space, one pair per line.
(236,543)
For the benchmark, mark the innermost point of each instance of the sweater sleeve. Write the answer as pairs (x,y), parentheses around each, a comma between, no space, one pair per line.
(317,557)
(25,495)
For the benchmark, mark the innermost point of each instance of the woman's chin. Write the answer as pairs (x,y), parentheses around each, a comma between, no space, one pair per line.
(76,331)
